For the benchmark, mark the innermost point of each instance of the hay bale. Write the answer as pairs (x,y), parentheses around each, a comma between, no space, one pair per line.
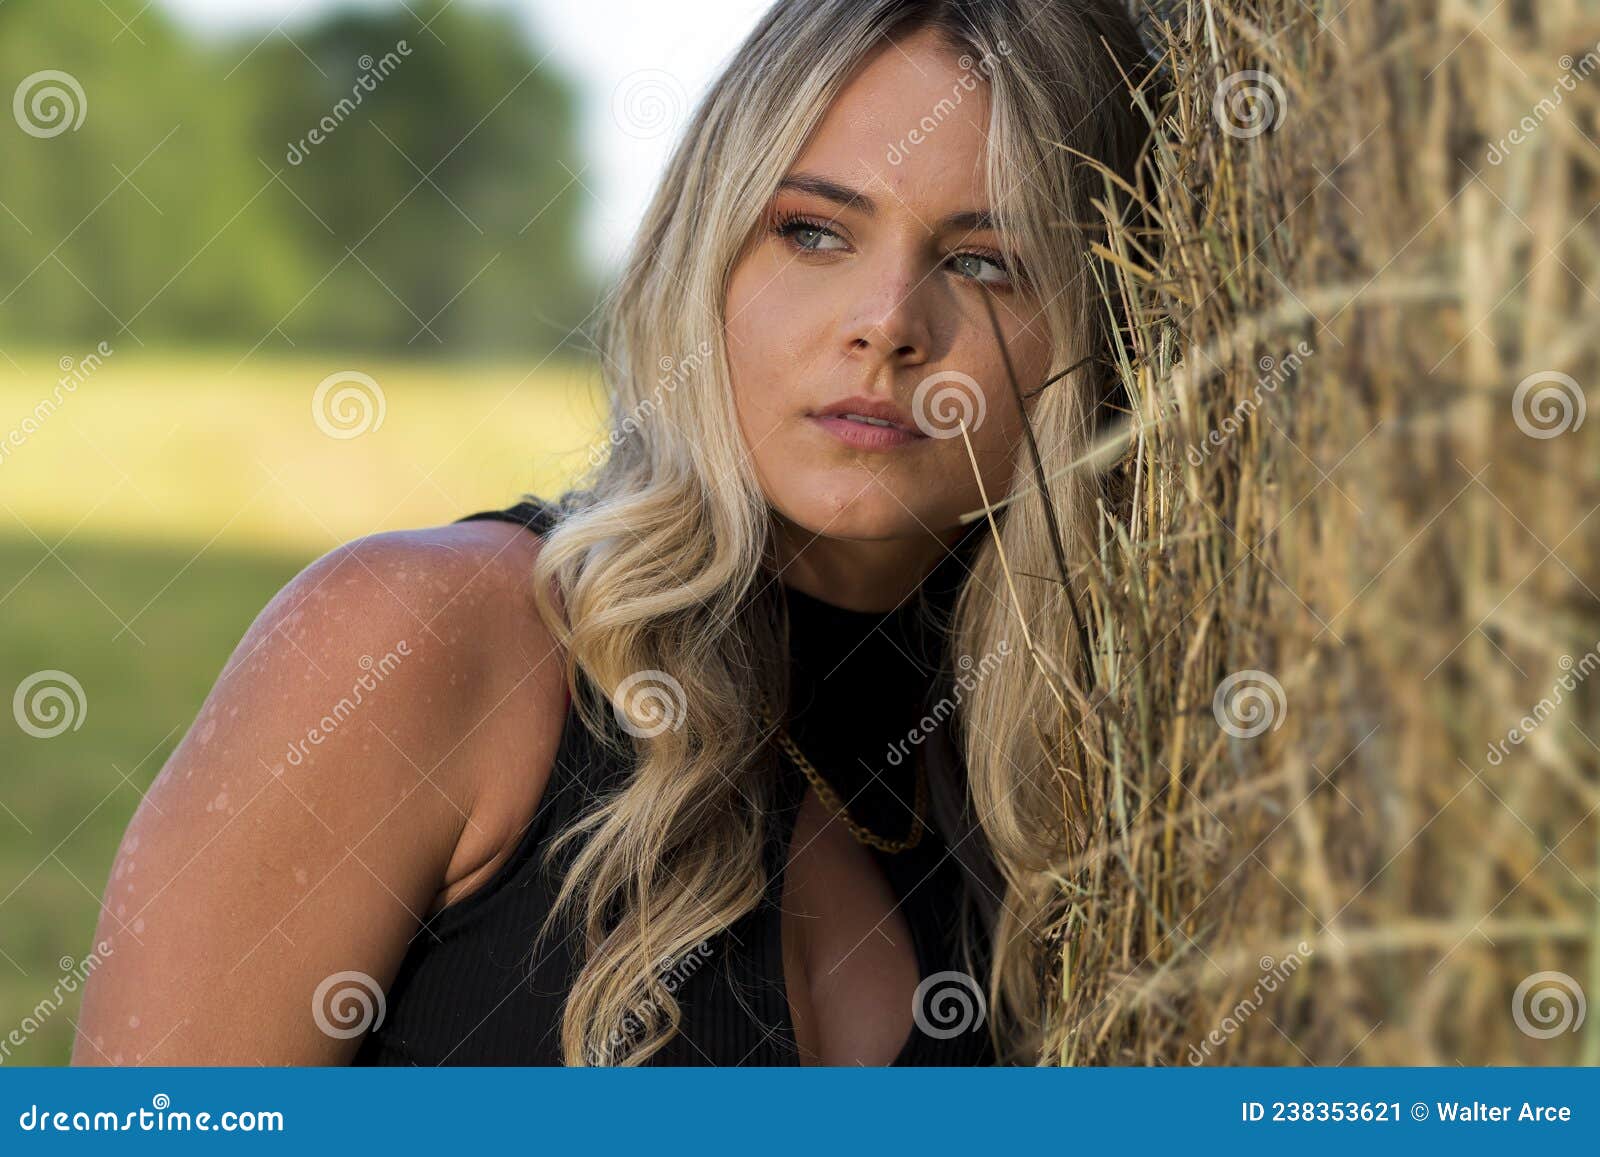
(1340,792)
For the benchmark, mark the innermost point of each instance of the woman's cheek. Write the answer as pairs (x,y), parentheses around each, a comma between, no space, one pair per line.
(1001,434)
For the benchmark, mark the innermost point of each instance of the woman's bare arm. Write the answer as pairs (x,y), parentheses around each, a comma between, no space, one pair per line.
(371,751)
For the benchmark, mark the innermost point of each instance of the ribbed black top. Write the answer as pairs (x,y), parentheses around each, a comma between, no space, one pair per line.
(467,991)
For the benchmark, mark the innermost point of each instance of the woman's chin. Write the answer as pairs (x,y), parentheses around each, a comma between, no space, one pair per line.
(858,508)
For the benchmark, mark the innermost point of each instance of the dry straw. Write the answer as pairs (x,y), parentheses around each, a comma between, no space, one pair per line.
(1347,551)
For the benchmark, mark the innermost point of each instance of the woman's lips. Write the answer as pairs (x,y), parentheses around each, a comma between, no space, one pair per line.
(866,435)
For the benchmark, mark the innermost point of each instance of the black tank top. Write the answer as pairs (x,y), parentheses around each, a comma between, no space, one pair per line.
(468,992)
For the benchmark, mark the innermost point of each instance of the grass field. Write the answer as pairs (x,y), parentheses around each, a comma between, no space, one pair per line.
(144,521)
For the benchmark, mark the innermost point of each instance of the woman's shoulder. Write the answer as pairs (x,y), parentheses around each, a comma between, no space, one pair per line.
(458,596)
(445,617)
(372,750)
(405,678)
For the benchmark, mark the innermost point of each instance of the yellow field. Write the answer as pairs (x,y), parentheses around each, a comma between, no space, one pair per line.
(205,450)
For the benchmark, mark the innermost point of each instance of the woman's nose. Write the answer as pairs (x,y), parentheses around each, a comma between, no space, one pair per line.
(890,317)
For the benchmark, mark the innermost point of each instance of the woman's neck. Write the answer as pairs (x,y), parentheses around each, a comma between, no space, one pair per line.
(857,574)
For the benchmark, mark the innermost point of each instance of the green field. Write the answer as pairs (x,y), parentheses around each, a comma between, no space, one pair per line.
(145,520)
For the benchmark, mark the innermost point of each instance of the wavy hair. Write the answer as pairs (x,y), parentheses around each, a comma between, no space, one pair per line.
(662,562)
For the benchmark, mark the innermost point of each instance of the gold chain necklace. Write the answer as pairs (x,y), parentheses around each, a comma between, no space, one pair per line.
(833,803)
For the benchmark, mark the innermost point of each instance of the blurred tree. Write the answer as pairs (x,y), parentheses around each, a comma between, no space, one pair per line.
(398,180)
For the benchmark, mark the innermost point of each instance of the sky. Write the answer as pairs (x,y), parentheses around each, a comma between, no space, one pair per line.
(640,66)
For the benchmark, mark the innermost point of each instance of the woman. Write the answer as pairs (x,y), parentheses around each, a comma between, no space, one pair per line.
(745,774)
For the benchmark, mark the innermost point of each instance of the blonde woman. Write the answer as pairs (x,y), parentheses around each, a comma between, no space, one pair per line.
(725,757)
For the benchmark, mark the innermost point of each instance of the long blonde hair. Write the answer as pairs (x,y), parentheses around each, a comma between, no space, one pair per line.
(658,578)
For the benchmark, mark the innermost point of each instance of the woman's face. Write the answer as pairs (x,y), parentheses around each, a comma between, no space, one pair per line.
(861,297)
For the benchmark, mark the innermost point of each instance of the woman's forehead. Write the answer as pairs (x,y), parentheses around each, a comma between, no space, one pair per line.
(909,131)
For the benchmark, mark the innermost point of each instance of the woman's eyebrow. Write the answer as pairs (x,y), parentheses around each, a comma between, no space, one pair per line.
(846,198)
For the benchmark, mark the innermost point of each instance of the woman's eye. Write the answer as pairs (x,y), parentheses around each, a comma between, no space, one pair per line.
(971,265)
(808,235)
(814,237)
